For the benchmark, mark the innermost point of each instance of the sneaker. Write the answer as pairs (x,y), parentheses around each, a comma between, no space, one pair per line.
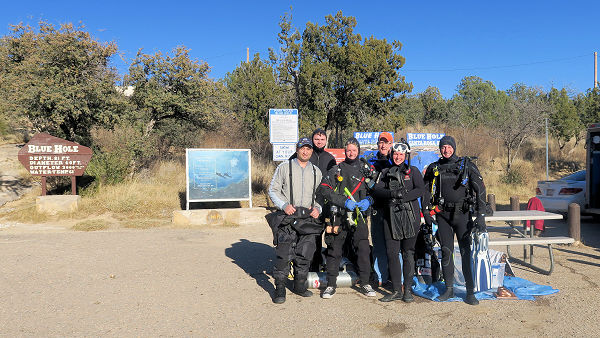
(367,289)
(328,293)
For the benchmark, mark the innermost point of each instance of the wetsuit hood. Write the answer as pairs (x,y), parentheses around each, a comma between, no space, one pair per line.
(452,159)
(351,162)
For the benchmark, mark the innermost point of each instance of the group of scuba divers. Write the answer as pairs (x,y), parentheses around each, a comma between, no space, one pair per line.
(313,196)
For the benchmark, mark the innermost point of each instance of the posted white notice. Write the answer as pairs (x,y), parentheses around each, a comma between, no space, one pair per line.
(283,125)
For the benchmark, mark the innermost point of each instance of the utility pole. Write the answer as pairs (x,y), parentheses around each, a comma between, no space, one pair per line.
(595,69)
(547,171)
(247,54)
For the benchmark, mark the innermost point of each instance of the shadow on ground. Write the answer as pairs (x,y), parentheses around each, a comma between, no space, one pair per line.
(256,259)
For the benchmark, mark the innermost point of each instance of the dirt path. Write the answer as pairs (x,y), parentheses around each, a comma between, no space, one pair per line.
(217,281)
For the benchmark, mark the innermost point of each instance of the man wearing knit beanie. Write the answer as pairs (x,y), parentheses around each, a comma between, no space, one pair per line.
(454,183)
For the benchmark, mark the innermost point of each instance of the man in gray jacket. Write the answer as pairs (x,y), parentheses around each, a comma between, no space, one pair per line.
(292,190)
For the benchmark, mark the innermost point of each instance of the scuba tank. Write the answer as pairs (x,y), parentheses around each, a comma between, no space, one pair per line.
(347,276)
(316,280)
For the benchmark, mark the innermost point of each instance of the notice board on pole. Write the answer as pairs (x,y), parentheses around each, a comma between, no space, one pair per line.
(218,175)
(283,125)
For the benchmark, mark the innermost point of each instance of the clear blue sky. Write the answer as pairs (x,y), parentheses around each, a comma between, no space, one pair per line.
(538,43)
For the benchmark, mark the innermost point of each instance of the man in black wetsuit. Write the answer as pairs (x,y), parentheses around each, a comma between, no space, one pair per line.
(457,189)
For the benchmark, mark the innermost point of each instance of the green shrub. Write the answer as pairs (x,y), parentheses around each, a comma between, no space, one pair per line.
(119,153)
(513,177)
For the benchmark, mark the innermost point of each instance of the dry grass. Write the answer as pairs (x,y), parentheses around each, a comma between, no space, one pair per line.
(11,139)
(262,172)
(493,174)
(91,225)
(149,199)
(144,223)
(24,210)
(153,195)
(530,161)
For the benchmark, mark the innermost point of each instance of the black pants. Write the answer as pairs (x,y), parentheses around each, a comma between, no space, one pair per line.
(293,247)
(335,247)
(393,247)
(317,259)
(450,223)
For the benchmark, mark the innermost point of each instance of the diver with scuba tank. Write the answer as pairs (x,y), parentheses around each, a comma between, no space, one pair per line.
(345,189)
(399,189)
(457,193)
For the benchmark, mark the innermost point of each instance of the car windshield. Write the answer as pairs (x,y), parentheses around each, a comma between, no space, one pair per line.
(578,176)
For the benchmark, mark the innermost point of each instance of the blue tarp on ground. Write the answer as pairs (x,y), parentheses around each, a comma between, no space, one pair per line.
(522,288)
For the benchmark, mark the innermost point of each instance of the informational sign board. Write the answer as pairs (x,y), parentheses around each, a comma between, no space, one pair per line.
(46,155)
(283,151)
(424,140)
(218,175)
(368,139)
(422,158)
(337,153)
(418,158)
(283,125)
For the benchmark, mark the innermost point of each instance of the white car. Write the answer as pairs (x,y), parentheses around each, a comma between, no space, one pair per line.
(557,195)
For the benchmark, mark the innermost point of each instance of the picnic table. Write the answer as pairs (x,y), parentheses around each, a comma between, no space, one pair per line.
(511,218)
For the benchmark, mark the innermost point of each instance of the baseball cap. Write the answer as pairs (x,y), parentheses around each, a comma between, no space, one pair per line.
(304,141)
(387,136)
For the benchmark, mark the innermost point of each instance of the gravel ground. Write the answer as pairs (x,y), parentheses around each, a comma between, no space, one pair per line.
(217,282)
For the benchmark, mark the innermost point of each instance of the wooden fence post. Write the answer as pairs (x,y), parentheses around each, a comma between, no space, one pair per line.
(574,219)
(492,201)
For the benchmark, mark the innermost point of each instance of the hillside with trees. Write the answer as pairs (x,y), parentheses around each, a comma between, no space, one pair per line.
(60,80)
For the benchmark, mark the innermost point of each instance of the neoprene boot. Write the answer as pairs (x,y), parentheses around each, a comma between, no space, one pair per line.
(470,299)
(396,295)
(279,297)
(408,296)
(449,293)
(301,289)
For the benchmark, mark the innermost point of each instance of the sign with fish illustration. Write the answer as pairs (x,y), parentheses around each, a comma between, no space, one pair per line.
(218,175)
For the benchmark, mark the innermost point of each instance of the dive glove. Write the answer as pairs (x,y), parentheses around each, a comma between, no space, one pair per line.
(365,203)
(350,204)
(480,223)
(397,194)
